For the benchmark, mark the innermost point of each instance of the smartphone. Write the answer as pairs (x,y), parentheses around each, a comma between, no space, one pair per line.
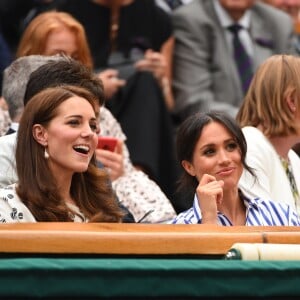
(107,143)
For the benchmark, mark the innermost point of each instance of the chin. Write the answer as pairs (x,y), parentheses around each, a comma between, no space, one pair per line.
(81,169)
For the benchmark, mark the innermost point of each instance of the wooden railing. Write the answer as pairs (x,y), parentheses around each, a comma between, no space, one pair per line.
(135,239)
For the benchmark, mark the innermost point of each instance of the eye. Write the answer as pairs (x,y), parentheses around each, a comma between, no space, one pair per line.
(73,122)
(94,127)
(232,146)
(209,151)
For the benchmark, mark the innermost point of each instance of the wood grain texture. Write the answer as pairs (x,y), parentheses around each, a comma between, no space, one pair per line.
(136,239)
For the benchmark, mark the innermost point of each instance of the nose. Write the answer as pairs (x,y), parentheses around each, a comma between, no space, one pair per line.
(224,157)
(87,131)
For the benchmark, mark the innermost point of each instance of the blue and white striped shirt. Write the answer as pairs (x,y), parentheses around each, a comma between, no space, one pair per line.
(259,212)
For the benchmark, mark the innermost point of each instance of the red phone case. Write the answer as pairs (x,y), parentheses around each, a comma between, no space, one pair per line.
(107,143)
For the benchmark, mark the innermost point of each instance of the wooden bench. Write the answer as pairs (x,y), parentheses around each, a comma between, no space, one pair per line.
(136,239)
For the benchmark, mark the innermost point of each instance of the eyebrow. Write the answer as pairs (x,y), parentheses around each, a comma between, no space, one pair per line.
(80,117)
(212,144)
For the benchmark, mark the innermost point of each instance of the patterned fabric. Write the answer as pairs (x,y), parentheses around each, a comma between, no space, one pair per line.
(241,58)
(4,121)
(13,210)
(259,212)
(289,172)
(135,189)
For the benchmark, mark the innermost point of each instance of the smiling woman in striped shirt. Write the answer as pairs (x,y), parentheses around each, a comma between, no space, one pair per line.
(212,149)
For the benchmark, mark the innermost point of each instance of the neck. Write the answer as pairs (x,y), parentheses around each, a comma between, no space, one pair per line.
(63,180)
(283,144)
(64,192)
(233,207)
(235,14)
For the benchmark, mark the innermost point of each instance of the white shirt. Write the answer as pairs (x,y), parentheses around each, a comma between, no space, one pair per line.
(272,182)
(226,21)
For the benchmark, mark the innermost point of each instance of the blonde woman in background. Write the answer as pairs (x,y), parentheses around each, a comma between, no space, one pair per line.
(270,120)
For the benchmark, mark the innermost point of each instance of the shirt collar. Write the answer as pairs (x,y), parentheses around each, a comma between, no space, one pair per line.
(247,201)
(225,18)
(14,126)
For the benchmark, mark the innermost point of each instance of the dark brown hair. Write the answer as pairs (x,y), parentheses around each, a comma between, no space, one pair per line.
(189,133)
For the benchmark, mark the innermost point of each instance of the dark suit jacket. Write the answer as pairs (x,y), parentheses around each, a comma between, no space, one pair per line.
(205,75)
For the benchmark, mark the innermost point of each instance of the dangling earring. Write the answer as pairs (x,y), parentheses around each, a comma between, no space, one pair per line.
(46,155)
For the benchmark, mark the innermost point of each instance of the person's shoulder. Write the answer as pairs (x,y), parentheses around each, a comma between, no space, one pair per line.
(251,132)
(193,7)
(8,141)
(8,193)
(195,13)
(271,12)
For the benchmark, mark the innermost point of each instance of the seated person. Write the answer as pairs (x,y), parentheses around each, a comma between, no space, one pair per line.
(212,149)
(56,166)
(208,73)
(269,118)
(133,188)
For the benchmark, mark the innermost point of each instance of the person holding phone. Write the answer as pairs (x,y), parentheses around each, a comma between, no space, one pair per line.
(110,153)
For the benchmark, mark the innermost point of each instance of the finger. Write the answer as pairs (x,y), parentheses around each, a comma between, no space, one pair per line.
(206,178)
(119,147)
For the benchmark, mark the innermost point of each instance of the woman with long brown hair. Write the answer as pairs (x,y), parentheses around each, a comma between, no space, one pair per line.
(58,177)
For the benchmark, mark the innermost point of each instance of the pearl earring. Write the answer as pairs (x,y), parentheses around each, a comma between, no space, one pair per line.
(46,155)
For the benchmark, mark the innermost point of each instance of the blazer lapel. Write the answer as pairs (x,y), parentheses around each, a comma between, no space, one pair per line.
(262,39)
(222,54)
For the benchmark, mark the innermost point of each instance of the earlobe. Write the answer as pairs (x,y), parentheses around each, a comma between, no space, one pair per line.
(39,134)
(188,167)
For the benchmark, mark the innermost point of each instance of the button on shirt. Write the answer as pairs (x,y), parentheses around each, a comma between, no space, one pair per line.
(259,212)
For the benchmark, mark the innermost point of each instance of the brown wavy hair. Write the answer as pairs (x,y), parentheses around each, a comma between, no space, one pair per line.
(37,187)
(33,40)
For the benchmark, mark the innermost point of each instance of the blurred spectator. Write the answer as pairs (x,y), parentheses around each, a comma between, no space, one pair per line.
(14,85)
(4,117)
(15,15)
(292,7)
(270,120)
(212,39)
(5,57)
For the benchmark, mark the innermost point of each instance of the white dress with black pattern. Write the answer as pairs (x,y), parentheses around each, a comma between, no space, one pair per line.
(13,210)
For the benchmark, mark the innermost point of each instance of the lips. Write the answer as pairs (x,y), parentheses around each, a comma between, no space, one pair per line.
(225,171)
(82,149)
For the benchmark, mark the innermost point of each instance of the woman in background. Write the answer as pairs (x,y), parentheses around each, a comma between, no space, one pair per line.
(270,120)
